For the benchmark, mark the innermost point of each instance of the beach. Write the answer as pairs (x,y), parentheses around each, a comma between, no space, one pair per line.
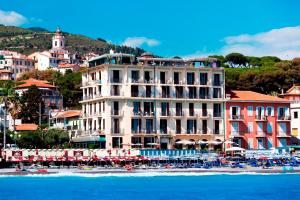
(157,171)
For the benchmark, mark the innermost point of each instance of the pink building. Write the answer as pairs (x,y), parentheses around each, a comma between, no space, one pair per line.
(257,121)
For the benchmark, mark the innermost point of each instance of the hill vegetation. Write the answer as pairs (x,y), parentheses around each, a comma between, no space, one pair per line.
(268,75)
(34,39)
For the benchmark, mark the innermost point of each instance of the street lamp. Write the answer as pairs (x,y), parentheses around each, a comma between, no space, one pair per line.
(15,136)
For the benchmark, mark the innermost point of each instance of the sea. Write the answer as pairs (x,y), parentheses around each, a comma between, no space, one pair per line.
(151,186)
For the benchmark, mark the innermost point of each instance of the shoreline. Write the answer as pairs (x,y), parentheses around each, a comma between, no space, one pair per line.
(150,172)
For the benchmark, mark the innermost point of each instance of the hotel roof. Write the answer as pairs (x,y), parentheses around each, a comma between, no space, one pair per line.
(26,127)
(68,114)
(237,95)
(39,83)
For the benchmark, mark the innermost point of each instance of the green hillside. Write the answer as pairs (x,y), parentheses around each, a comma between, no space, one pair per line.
(35,39)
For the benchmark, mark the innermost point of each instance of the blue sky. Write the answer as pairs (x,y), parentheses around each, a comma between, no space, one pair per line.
(168,28)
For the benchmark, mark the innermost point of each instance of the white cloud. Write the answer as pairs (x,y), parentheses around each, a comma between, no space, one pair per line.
(139,41)
(283,43)
(11,18)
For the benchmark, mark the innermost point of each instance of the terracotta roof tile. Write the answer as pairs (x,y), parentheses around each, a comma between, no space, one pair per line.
(237,95)
(26,127)
(38,83)
(68,113)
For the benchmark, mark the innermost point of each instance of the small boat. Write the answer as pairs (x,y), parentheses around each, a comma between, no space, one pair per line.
(41,171)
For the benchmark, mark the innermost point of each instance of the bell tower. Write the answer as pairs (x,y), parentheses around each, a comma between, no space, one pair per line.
(58,40)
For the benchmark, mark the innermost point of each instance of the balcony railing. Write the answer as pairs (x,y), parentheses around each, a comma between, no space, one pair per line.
(236,133)
(261,118)
(283,117)
(116,113)
(165,114)
(283,134)
(236,117)
(179,113)
(260,134)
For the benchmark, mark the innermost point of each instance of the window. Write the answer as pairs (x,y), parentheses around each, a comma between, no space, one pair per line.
(117,142)
(250,111)
(190,76)
(163,77)
(250,127)
(270,111)
(269,127)
(295,115)
(217,93)
(235,112)
(217,110)
(203,78)
(135,76)
(217,80)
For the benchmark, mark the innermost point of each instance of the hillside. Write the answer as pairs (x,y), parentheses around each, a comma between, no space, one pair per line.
(34,39)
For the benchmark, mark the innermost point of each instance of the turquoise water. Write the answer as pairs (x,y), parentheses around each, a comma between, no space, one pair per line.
(208,187)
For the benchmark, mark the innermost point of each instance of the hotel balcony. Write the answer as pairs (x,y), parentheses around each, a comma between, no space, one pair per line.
(179,114)
(117,131)
(260,134)
(284,118)
(204,115)
(218,132)
(283,134)
(165,114)
(236,134)
(87,97)
(261,118)
(143,132)
(116,113)
(148,114)
(136,114)
(236,118)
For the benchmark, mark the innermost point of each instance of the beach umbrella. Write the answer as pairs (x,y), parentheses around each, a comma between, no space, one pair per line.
(185,142)
(235,149)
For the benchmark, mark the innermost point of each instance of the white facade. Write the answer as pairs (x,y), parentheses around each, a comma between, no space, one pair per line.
(56,55)
(14,64)
(152,103)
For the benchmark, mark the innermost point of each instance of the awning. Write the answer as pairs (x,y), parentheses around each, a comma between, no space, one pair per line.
(86,139)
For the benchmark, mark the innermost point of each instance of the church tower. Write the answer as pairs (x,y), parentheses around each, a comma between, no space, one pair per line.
(58,40)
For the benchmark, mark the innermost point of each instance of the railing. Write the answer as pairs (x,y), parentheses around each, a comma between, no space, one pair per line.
(165,114)
(236,117)
(284,117)
(283,134)
(260,118)
(150,114)
(217,114)
(204,96)
(116,113)
(236,133)
(260,134)
(117,131)
(179,113)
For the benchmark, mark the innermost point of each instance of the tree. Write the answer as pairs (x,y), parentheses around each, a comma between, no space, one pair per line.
(52,138)
(236,59)
(14,107)
(31,103)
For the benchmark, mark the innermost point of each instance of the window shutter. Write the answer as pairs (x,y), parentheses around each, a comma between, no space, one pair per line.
(272,111)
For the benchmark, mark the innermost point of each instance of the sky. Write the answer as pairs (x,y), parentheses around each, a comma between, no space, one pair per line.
(187,28)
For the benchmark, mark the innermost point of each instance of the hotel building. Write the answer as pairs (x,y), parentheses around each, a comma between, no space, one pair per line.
(151,102)
(257,121)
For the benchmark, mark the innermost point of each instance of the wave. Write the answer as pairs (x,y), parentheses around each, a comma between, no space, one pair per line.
(144,174)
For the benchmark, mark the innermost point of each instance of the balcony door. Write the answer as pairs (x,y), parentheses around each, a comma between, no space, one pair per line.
(235,128)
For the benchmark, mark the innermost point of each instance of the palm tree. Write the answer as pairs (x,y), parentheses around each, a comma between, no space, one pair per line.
(14,107)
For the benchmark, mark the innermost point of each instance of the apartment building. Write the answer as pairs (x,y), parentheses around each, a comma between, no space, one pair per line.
(257,121)
(13,64)
(151,102)
(293,95)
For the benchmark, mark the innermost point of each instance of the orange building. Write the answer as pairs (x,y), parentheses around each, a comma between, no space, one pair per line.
(257,121)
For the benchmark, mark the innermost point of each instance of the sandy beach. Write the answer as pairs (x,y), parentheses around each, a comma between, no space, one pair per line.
(160,171)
